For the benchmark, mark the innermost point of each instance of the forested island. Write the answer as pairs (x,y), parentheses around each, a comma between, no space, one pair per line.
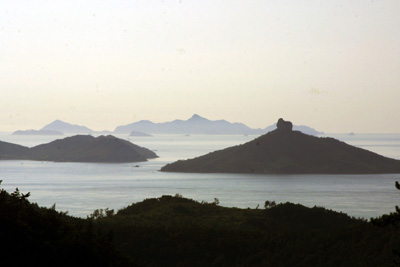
(284,151)
(79,148)
(176,231)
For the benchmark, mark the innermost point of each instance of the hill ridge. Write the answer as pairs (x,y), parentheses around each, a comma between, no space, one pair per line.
(200,125)
(79,148)
(66,127)
(284,151)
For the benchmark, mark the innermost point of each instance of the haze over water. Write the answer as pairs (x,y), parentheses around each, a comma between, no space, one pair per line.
(82,187)
(331,65)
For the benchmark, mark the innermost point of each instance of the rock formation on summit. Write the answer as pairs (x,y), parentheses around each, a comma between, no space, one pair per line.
(284,126)
(289,152)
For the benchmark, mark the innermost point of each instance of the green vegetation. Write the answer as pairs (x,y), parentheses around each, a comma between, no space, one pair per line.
(175,231)
(31,235)
(391,219)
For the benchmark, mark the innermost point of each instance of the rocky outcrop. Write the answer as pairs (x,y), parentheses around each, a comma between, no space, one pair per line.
(284,151)
(284,126)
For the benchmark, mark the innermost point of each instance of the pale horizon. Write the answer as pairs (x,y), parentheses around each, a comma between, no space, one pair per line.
(184,119)
(333,66)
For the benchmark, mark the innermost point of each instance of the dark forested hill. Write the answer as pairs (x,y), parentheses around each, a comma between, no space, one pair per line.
(174,231)
(31,235)
(289,152)
(80,148)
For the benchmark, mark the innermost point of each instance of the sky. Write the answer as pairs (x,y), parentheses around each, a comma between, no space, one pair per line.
(331,65)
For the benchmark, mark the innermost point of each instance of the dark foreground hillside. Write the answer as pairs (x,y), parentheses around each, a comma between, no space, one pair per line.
(35,236)
(174,231)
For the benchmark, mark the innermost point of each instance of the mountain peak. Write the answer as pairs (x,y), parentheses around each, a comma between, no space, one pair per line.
(80,148)
(284,151)
(57,122)
(197,117)
(65,127)
(197,124)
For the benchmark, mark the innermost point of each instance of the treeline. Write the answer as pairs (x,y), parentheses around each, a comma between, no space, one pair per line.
(175,231)
(31,235)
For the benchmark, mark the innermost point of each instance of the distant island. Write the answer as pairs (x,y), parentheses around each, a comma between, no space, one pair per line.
(194,125)
(200,125)
(59,127)
(284,151)
(65,127)
(136,133)
(79,148)
(35,132)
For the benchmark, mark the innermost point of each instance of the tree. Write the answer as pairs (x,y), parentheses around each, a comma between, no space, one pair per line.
(398,188)
(269,204)
(392,218)
(100,213)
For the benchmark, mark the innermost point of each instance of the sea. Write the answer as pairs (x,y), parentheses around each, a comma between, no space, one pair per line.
(81,188)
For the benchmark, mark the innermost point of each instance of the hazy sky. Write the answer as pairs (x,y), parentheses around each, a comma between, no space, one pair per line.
(331,65)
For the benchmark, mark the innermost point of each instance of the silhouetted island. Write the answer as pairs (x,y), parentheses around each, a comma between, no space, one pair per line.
(79,148)
(142,134)
(284,151)
(65,127)
(35,132)
(200,125)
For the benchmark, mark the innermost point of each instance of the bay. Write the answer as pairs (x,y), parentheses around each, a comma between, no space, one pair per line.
(80,188)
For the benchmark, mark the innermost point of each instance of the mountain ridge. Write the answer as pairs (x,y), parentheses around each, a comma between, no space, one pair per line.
(283,151)
(79,148)
(194,125)
(35,132)
(65,127)
(200,125)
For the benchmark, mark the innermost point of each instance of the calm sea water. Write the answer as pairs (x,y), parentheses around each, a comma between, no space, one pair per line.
(80,188)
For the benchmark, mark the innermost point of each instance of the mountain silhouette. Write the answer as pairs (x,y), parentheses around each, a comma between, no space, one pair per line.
(67,128)
(200,125)
(141,134)
(284,151)
(79,148)
(35,132)
(194,125)
(12,151)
